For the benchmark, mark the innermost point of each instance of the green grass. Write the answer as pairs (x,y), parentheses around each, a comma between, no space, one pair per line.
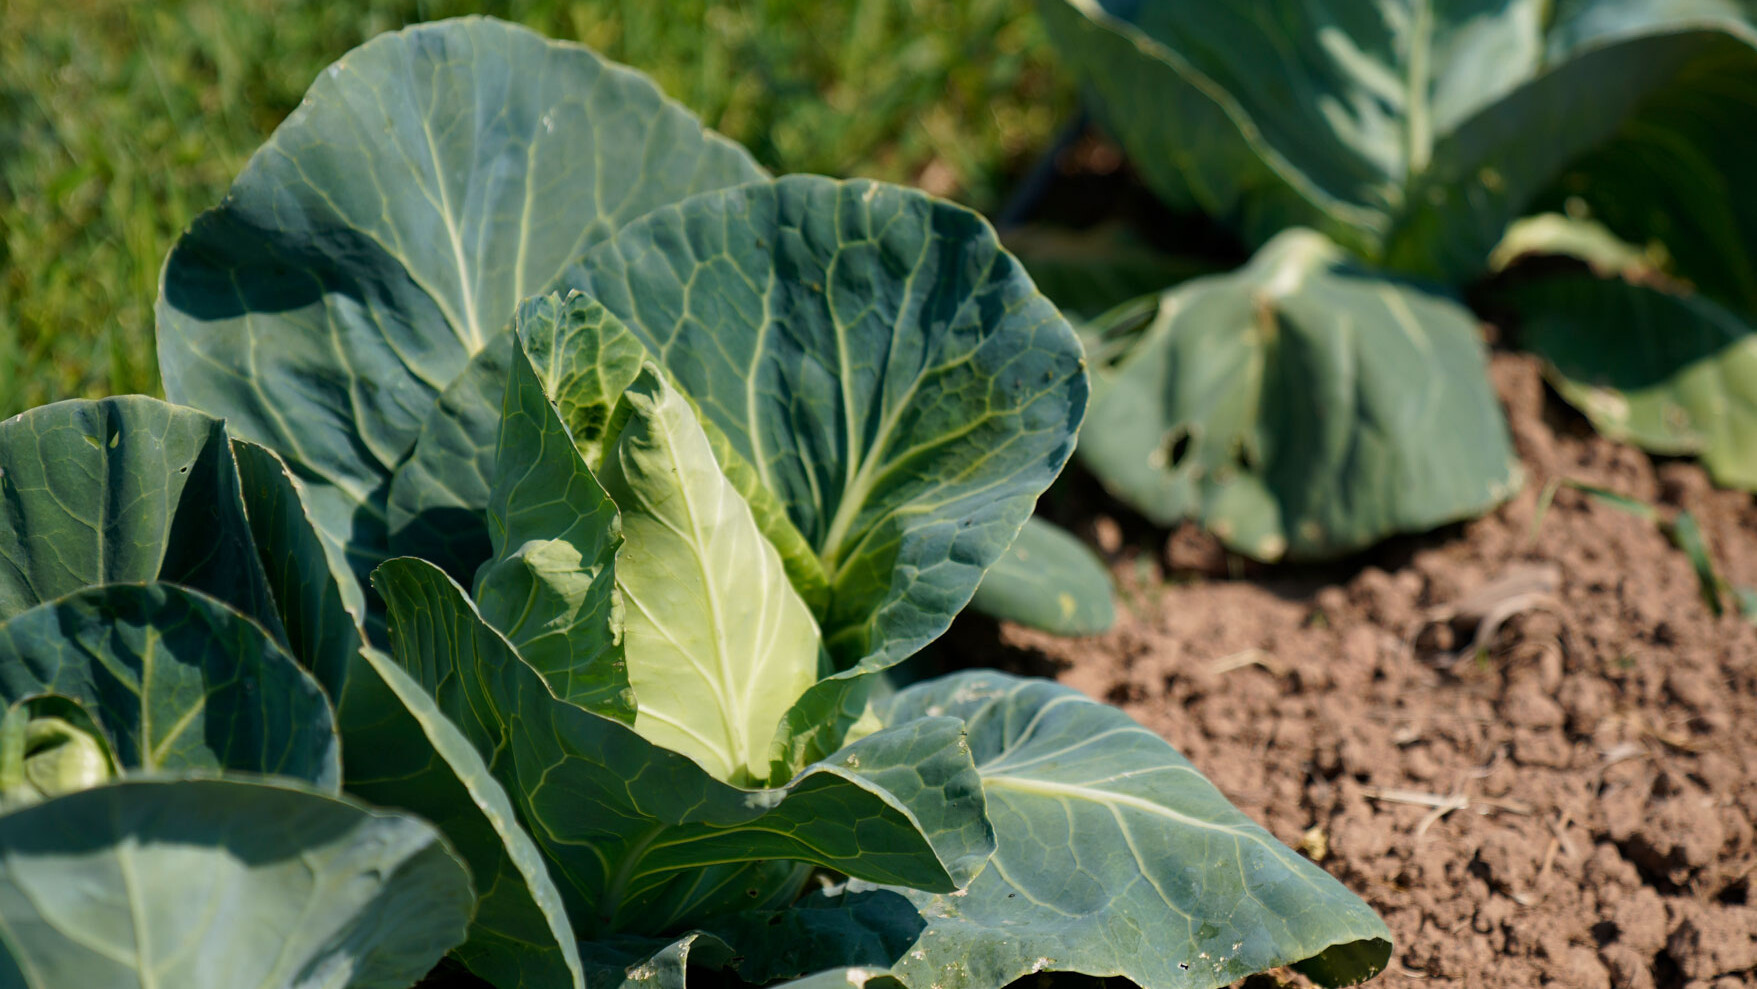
(120,120)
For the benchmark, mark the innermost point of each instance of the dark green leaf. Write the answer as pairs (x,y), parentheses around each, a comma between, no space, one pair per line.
(1049,580)
(1088,272)
(1301,408)
(888,371)
(176,681)
(123,490)
(551,586)
(429,180)
(217,884)
(439,496)
(1115,857)
(665,843)
(401,751)
(1670,373)
(1409,131)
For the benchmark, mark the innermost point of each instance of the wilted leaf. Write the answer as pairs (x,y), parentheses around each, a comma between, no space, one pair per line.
(1300,408)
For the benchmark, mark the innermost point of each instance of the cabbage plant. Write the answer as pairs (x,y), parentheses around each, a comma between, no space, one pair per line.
(171,809)
(1411,136)
(599,477)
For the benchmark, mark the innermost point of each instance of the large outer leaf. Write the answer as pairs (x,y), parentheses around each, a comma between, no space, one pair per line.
(1670,373)
(1115,857)
(887,369)
(176,682)
(123,490)
(1048,579)
(1412,131)
(642,839)
(217,884)
(429,180)
(719,644)
(402,751)
(1302,409)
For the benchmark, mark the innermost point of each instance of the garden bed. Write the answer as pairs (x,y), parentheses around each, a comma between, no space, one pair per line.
(1573,806)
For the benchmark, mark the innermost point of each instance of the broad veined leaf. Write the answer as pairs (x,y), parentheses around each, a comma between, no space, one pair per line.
(551,587)
(401,751)
(585,357)
(175,681)
(719,644)
(1048,579)
(429,180)
(216,884)
(665,843)
(1412,131)
(886,369)
(122,490)
(1301,408)
(1676,374)
(1115,857)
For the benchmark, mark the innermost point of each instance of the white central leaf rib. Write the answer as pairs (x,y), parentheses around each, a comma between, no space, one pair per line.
(719,645)
(716,620)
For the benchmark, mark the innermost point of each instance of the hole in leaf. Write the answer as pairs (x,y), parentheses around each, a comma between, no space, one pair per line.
(1177,447)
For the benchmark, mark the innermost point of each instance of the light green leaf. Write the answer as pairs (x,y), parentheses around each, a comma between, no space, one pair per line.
(551,587)
(1410,131)
(50,746)
(429,180)
(1300,408)
(669,844)
(1676,374)
(719,644)
(401,751)
(1116,858)
(888,371)
(216,884)
(439,499)
(1049,580)
(123,490)
(175,681)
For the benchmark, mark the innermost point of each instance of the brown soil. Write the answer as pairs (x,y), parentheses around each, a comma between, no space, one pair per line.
(1572,805)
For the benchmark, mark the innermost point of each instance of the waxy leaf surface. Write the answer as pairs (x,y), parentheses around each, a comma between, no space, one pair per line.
(430,180)
(1116,858)
(1300,408)
(884,367)
(665,843)
(1050,580)
(1411,131)
(175,681)
(401,751)
(216,884)
(122,490)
